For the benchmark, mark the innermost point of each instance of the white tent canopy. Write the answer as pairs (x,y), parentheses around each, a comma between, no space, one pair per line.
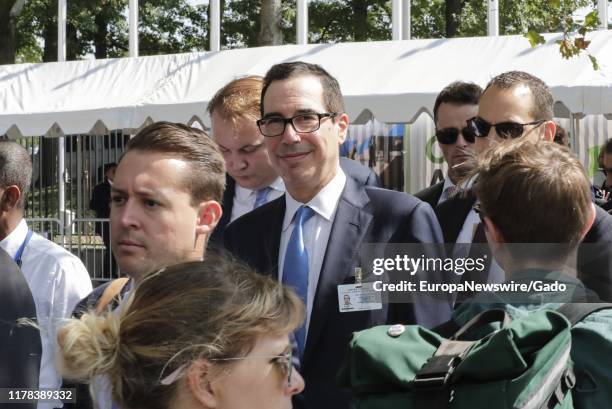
(393,80)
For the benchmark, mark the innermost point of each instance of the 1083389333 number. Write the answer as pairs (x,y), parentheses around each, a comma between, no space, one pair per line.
(12,395)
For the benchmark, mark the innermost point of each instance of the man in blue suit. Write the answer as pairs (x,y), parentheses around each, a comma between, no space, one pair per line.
(251,179)
(311,238)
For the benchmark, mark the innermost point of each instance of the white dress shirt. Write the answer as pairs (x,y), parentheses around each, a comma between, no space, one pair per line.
(316,232)
(58,280)
(244,199)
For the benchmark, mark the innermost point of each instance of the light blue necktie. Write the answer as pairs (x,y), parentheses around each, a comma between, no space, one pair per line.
(295,266)
(262,196)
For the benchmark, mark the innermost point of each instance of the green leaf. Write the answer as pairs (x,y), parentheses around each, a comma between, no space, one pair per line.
(534,38)
(555,3)
(594,62)
(591,19)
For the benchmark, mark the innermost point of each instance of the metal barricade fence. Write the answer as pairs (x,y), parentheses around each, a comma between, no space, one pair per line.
(89,239)
(85,157)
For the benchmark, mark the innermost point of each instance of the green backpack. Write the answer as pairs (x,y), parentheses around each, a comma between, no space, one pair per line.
(524,365)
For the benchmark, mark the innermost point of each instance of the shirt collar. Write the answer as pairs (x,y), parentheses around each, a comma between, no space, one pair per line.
(447,183)
(324,203)
(15,239)
(243,193)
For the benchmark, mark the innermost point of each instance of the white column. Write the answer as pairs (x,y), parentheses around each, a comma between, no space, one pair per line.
(61,30)
(396,19)
(302,22)
(602,11)
(215,25)
(133,28)
(406,20)
(61,150)
(493,18)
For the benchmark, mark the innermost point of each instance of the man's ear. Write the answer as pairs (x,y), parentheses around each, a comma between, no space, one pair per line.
(343,124)
(550,128)
(10,198)
(200,383)
(493,233)
(589,223)
(209,214)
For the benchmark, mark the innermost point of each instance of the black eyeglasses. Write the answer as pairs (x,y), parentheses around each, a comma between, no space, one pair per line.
(448,136)
(303,123)
(506,130)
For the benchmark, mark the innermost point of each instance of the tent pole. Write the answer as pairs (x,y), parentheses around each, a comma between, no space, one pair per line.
(61,151)
(133,30)
(406,20)
(396,19)
(302,22)
(602,11)
(215,25)
(493,18)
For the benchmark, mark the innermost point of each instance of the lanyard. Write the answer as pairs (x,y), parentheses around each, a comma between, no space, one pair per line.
(22,248)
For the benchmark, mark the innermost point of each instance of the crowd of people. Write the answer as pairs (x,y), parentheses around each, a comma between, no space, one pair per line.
(241,250)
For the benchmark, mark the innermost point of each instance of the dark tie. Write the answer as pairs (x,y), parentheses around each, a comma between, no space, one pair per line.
(262,196)
(295,266)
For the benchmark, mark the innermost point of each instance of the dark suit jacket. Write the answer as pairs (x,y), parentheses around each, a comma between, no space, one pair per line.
(363,175)
(594,254)
(431,194)
(364,215)
(20,345)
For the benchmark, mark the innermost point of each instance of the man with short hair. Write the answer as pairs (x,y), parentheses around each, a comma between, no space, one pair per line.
(164,206)
(251,178)
(165,198)
(57,278)
(561,215)
(513,105)
(311,237)
(454,106)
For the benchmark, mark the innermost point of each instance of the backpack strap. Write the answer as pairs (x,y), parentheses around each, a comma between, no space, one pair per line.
(576,312)
(110,292)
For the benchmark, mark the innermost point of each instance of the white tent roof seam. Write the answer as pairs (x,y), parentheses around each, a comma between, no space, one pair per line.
(394,81)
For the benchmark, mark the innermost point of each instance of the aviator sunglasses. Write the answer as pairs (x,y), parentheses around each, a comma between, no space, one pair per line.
(505,130)
(448,136)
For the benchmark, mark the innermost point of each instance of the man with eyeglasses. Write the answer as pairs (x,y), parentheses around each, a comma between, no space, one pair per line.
(454,105)
(251,180)
(311,238)
(516,104)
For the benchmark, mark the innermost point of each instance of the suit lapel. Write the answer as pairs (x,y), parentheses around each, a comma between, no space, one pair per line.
(451,215)
(272,234)
(341,256)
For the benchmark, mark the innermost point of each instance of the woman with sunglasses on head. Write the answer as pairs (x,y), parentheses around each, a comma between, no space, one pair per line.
(210,334)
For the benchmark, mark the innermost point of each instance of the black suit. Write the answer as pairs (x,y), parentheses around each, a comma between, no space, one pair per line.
(594,255)
(431,194)
(20,345)
(362,174)
(364,215)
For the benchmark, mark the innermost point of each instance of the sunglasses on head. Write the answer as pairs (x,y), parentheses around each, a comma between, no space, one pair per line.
(448,136)
(505,130)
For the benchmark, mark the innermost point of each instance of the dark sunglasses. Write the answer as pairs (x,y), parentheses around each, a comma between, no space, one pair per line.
(506,130)
(448,136)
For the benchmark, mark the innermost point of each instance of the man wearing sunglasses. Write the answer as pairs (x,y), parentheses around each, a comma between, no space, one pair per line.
(454,105)
(516,104)
(311,238)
